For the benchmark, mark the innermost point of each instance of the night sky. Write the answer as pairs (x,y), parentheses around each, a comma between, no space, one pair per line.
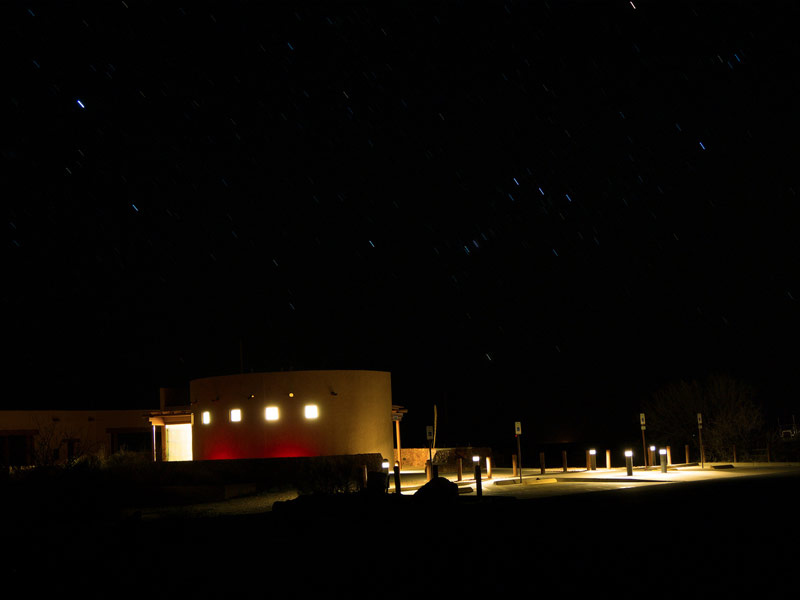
(536,211)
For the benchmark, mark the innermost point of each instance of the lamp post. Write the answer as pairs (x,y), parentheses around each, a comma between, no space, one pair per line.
(397,486)
(663,454)
(652,456)
(478,490)
(385,471)
(593,459)
(629,461)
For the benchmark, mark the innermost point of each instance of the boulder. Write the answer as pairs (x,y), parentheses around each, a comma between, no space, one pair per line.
(439,488)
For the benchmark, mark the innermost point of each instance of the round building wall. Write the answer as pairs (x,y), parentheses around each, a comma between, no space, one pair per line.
(292,413)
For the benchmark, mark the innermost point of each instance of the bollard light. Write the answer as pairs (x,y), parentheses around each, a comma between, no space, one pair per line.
(629,462)
(476,460)
(593,459)
(593,452)
(397,486)
(663,456)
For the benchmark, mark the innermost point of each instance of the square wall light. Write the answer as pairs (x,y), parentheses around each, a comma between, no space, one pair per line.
(206,417)
(271,413)
(236,415)
(311,411)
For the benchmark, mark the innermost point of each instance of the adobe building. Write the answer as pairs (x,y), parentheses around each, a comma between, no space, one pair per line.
(54,436)
(251,415)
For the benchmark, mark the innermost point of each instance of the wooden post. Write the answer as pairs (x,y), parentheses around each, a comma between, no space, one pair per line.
(734,453)
(669,455)
(428,470)
(488,467)
(564,460)
(687,453)
(608,459)
(541,463)
(768,457)
(588,461)
(364,475)
(514,467)
(460,464)
(399,450)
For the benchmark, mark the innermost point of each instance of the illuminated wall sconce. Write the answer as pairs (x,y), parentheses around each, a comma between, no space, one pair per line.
(271,413)
(311,411)
(236,415)
(206,417)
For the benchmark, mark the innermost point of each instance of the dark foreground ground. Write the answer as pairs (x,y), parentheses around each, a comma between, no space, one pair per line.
(736,536)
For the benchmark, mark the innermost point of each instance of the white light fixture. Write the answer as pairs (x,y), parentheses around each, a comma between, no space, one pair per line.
(206,417)
(271,413)
(385,464)
(592,452)
(236,415)
(652,448)
(311,411)
(628,453)
(476,458)
(662,451)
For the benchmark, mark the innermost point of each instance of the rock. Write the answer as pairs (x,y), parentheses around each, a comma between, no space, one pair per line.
(439,488)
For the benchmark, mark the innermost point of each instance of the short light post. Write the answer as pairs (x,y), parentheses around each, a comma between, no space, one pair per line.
(385,471)
(477,461)
(593,459)
(652,456)
(397,487)
(663,454)
(629,461)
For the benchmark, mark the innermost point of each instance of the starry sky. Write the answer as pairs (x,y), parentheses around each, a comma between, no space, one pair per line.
(536,211)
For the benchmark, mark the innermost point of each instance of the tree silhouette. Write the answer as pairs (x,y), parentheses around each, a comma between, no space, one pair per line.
(731,415)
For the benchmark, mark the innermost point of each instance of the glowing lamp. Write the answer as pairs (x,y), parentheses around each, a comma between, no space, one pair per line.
(271,413)
(291,395)
(476,458)
(385,465)
(311,411)
(628,453)
(652,448)
(662,451)
(236,415)
(206,417)
(592,452)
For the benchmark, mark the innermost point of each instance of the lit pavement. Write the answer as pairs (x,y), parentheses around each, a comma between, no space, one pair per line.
(555,482)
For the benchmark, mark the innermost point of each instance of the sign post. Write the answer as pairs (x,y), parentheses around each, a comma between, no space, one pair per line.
(644,443)
(518,433)
(429,436)
(700,435)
